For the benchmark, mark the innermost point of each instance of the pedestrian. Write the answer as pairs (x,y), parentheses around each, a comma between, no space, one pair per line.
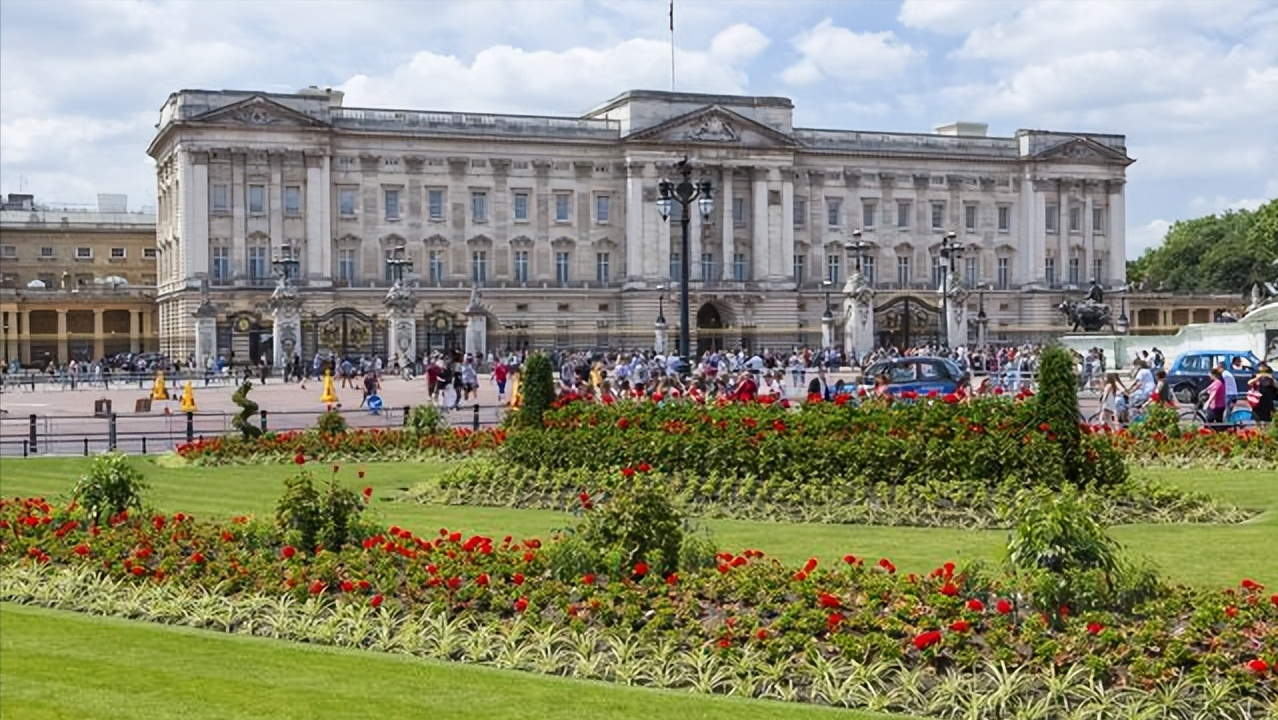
(499,377)
(1214,407)
(1110,397)
(1262,394)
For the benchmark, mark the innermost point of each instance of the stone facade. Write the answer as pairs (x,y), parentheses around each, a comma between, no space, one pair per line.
(75,284)
(554,219)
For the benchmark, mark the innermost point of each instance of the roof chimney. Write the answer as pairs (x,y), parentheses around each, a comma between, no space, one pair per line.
(963,129)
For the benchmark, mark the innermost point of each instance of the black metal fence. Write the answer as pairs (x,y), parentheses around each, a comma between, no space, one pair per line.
(63,435)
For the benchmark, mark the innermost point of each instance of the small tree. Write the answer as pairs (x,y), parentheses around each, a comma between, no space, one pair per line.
(1057,401)
(537,391)
(112,485)
(309,518)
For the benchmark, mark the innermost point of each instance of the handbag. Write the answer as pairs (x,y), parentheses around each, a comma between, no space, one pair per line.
(1253,397)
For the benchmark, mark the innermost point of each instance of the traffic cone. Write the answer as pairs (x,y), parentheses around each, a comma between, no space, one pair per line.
(330,394)
(188,398)
(158,391)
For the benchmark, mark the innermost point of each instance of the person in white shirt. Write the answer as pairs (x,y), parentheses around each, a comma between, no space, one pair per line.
(1145,384)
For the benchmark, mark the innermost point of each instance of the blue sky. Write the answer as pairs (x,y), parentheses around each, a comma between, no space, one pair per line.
(1193,85)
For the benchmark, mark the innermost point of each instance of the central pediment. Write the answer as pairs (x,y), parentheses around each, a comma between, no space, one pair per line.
(713,125)
(1085,150)
(258,111)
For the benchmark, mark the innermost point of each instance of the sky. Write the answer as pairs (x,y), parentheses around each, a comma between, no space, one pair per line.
(1193,85)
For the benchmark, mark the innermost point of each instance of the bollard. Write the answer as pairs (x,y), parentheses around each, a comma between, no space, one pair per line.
(408,410)
(86,447)
(475,419)
(190,426)
(143,444)
(111,434)
(263,420)
(26,445)
(31,433)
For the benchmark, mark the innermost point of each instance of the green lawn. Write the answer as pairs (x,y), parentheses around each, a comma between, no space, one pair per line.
(1198,554)
(66,665)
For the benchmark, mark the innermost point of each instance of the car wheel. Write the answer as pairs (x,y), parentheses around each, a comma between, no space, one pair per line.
(1186,394)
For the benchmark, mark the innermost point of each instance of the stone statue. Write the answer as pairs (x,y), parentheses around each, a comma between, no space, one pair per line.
(1095,294)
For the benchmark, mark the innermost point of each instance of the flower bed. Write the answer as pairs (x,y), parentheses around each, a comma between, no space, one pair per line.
(843,498)
(362,444)
(854,635)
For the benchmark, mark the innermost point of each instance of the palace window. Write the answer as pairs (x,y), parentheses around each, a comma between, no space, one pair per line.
(392,204)
(562,269)
(521,267)
(1004,218)
(738,211)
(800,212)
(867,269)
(258,267)
(479,206)
(601,268)
(292,200)
(346,267)
(220,201)
(903,271)
(563,207)
(707,267)
(1074,271)
(479,267)
(800,266)
(833,270)
(220,268)
(1049,270)
(969,218)
(346,202)
(903,210)
(938,215)
(1075,219)
(867,214)
(435,264)
(435,204)
(257,199)
(1098,221)
(603,209)
(521,207)
(1052,218)
(1004,273)
(833,212)
(740,270)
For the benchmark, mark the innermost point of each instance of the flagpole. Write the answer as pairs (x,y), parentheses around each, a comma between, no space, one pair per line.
(672,48)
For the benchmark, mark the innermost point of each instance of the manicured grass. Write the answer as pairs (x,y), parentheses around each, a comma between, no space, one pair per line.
(1207,555)
(65,665)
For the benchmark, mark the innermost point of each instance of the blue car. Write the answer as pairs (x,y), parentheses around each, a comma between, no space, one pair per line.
(1190,375)
(918,374)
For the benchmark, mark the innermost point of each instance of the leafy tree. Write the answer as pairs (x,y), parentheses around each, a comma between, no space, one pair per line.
(537,389)
(1057,401)
(1214,254)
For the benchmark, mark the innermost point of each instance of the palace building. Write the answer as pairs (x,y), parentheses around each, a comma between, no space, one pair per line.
(534,232)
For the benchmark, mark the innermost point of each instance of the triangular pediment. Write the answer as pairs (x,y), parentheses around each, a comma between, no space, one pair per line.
(1086,150)
(258,111)
(713,125)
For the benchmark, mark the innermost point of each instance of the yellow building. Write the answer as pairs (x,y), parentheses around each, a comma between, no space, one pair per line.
(75,283)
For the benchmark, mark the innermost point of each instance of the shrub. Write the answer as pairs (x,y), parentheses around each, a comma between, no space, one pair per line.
(111,486)
(298,514)
(537,391)
(1057,404)
(426,418)
(331,423)
(1069,561)
(243,421)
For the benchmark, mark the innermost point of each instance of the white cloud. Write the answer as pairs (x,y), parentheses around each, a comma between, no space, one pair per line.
(956,17)
(510,79)
(837,53)
(1149,235)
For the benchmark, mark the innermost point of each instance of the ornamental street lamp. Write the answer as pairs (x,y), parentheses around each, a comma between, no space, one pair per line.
(661,305)
(685,193)
(828,316)
(857,248)
(286,264)
(397,262)
(950,253)
(982,320)
(1123,322)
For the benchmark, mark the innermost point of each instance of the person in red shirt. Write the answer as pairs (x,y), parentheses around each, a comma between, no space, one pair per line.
(747,388)
(500,371)
(432,380)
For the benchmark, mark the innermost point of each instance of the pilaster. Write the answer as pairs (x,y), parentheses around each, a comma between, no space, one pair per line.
(759,256)
(727,221)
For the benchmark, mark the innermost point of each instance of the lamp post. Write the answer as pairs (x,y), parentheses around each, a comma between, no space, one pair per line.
(857,248)
(982,320)
(659,327)
(685,193)
(1123,323)
(661,305)
(286,264)
(950,251)
(827,318)
(397,262)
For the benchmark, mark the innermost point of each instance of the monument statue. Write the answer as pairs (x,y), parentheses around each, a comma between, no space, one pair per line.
(1090,315)
(1095,294)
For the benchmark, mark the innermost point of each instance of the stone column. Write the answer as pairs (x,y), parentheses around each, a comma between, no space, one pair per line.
(635,239)
(24,336)
(858,317)
(195,217)
(759,224)
(1117,231)
(786,268)
(694,242)
(135,331)
(1089,235)
(99,331)
(318,260)
(661,339)
(239,216)
(729,223)
(63,355)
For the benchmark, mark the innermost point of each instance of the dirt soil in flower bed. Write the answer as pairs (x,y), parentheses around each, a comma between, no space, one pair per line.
(748,610)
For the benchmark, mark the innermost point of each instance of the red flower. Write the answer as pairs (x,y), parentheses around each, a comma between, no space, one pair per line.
(827,600)
(375,601)
(672,579)
(81,549)
(641,568)
(347,586)
(521,604)
(1274,599)
(799,576)
(317,587)
(627,472)
(927,639)
(300,459)
(810,565)
(622,423)
(517,578)
(288,552)
(762,634)
(657,397)
(949,590)
(778,425)
(1231,611)
(833,621)
(1249,584)
(644,467)
(1003,607)
(887,565)
(454,583)
(588,579)
(850,559)
(482,580)
(725,643)
(1258,666)
(1064,611)
(960,626)
(950,398)
(368,491)
(975,605)
(1094,628)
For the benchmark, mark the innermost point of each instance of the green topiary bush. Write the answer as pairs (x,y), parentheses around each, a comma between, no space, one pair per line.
(111,486)
(537,391)
(1057,407)
(332,423)
(243,421)
(425,419)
